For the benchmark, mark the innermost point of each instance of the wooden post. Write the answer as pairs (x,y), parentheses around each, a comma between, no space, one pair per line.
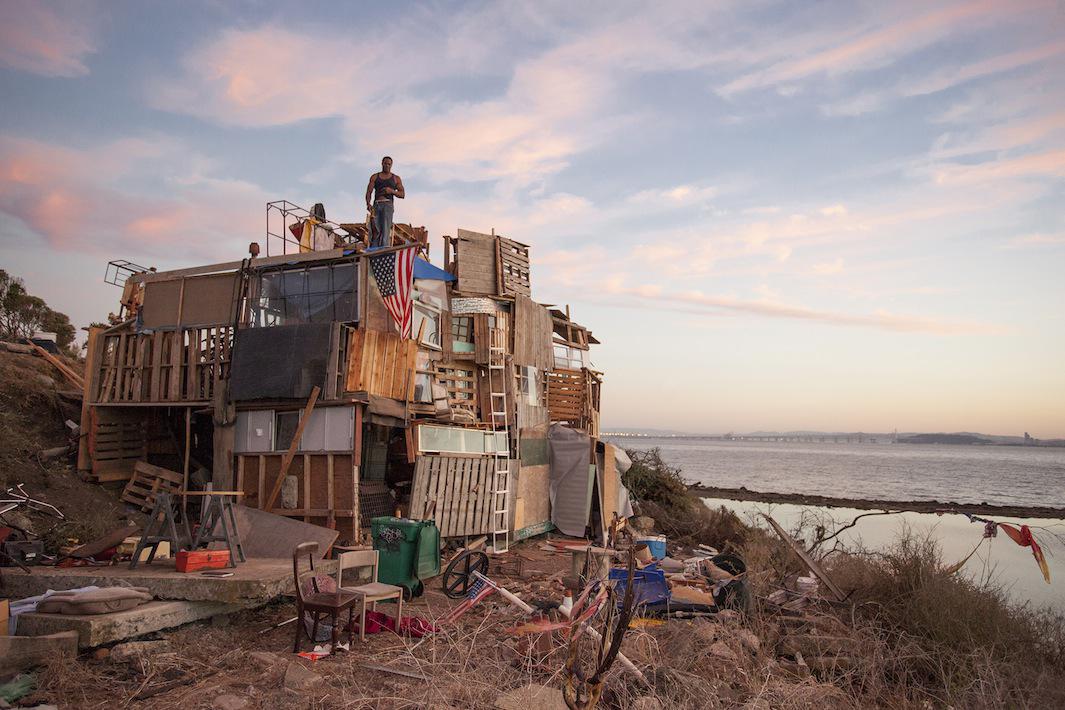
(286,460)
(356,462)
(84,452)
(224,437)
(185,465)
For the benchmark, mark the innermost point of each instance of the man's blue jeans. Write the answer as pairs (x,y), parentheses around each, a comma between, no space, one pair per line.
(382,220)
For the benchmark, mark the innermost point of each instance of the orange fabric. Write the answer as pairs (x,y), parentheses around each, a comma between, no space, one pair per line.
(1024,538)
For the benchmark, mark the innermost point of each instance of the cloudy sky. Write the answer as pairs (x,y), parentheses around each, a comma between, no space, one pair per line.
(775,215)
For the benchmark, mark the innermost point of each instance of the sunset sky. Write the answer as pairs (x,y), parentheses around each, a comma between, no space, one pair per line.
(774,215)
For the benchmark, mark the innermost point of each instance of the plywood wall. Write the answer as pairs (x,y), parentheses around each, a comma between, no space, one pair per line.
(381,364)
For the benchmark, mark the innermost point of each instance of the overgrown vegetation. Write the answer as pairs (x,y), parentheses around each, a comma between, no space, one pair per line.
(924,637)
(949,639)
(663,494)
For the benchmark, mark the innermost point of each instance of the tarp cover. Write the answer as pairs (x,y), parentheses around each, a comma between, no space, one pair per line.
(425,270)
(279,362)
(571,479)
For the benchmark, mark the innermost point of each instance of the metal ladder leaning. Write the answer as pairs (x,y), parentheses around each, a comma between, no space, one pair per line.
(499,419)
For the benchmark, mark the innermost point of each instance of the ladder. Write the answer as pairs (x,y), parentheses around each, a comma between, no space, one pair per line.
(499,421)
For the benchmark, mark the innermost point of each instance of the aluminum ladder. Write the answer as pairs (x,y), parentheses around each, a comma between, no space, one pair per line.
(499,421)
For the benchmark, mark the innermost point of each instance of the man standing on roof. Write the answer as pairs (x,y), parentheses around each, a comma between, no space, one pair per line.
(384,186)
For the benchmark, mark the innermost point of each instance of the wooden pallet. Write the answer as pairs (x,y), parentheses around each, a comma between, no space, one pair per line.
(116,447)
(455,492)
(147,481)
(163,366)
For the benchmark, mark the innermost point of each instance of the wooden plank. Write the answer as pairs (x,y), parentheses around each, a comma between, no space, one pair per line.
(417,496)
(176,349)
(262,481)
(487,497)
(806,559)
(306,484)
(332,368)
(329,473)
(287,460)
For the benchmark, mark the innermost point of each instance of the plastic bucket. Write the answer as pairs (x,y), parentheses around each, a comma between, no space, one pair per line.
(656,544)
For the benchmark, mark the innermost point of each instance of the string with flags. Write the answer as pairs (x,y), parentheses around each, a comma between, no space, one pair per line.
(394,273)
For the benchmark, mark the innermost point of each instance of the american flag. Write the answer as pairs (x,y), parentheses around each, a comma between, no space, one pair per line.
(394,273)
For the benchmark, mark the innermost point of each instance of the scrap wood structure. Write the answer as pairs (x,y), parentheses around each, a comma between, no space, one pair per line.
(293,379)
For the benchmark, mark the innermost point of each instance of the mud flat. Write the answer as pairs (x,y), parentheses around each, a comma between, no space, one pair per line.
(917,506)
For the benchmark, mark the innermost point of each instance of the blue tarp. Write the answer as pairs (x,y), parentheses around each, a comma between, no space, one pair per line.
(424,270)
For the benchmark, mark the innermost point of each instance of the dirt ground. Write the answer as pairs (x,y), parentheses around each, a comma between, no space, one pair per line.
(228,663)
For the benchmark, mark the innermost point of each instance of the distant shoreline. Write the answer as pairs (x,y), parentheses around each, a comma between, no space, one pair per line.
(931,506)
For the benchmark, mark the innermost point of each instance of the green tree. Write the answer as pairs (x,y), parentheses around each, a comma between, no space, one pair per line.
(23,314)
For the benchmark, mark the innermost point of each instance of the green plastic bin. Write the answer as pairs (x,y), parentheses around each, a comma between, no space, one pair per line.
(407,550)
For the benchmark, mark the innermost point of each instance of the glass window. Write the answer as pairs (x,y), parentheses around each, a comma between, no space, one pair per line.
(285,425)
(430,316)
(462,329)
(313,294)
(458,382)
(567,358)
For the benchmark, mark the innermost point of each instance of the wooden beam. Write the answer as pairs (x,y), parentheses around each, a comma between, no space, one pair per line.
(63,368)
(286,461)
(806,559)
(185,464)
(84,451)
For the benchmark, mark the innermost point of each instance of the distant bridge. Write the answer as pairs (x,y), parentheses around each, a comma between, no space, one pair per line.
(857,438)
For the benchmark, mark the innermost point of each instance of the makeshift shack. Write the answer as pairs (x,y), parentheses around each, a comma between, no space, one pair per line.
(338,385)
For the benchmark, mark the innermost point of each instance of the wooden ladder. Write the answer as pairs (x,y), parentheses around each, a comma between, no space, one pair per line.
(499,420)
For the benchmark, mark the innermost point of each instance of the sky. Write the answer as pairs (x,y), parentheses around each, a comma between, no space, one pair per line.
(774,215)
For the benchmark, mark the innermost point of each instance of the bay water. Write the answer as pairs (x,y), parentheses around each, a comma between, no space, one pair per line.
(999,475)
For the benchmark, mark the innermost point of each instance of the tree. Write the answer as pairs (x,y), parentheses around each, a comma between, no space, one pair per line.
(22,314)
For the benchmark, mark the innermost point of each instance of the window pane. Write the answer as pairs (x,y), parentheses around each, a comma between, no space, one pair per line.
(431,330)
(285,428)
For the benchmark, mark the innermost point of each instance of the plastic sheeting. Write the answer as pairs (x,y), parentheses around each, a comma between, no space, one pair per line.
(282,362)
(572,477)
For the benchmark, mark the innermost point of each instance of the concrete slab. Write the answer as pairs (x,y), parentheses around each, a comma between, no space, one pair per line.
(256,579)
(94,630)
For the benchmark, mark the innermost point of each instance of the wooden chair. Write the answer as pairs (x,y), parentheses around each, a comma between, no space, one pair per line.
(319,602)
(371,592)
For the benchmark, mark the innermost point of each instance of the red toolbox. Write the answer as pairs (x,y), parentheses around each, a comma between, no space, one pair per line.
(196,560)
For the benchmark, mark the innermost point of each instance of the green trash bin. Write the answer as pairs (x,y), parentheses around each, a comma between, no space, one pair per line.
(407,551)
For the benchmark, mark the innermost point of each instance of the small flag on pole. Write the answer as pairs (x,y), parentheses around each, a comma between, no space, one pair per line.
(394,273)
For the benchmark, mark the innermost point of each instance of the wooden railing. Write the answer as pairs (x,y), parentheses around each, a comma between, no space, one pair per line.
(162,367)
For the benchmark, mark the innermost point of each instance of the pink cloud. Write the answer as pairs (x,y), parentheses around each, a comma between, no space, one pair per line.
(874,48)
(57,192)
(881,319)
(46,40)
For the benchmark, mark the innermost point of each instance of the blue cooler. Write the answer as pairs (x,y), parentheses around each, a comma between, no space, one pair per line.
(656,545)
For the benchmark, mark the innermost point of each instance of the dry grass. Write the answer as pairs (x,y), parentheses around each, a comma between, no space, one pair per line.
(947,639)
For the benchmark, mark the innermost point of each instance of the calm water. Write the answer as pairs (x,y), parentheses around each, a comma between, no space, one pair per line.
(963,474)
(998,475)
